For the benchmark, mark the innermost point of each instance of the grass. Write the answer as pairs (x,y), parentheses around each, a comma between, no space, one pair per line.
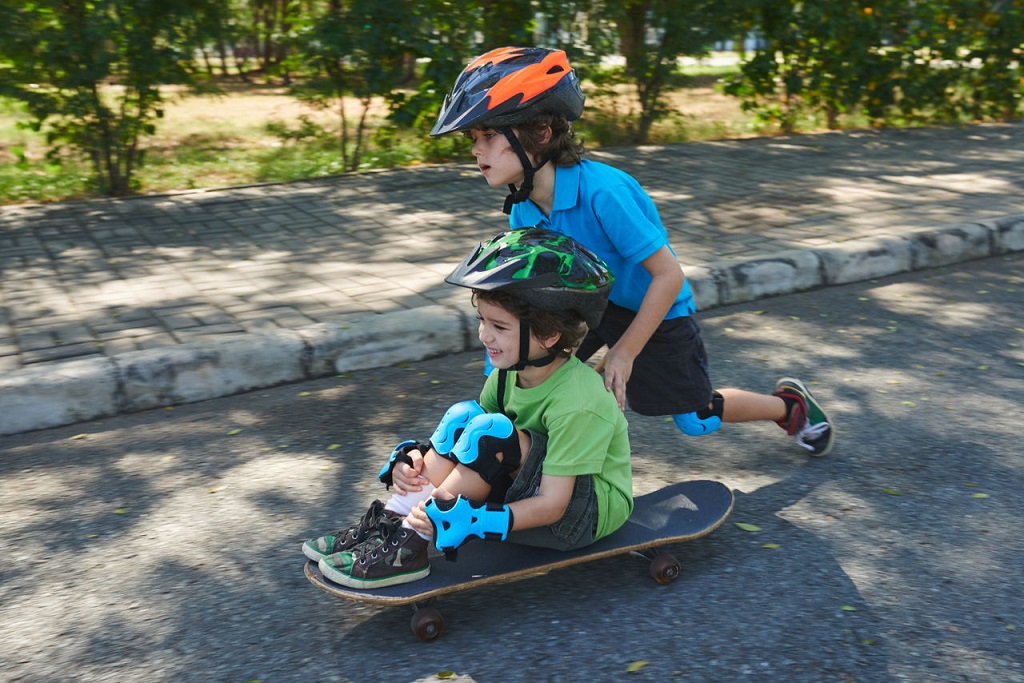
(259,133)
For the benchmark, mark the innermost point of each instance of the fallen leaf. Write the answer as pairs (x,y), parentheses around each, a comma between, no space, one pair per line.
(336,446)
(234,431)
(305,393)
(892,492)
(79,437)
(980,495)
(770,546)
(636,666)
(909,404)
(848,608)
(445,674)
(120,511)
(746,527)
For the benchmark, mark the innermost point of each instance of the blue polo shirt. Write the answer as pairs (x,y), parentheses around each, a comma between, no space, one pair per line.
(607,210)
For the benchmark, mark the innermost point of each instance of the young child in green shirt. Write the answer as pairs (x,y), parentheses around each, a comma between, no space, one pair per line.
(541,459)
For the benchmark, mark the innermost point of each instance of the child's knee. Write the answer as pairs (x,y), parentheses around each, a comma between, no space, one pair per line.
(704,421)
(491,446)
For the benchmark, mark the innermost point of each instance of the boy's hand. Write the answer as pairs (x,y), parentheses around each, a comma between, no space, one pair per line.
(418,519)
(407,478)
(618,367)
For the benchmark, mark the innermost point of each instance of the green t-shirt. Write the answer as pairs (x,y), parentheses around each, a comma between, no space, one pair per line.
(587,433)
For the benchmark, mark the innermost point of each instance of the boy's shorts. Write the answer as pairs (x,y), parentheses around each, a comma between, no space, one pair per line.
(670,375)
(577,527)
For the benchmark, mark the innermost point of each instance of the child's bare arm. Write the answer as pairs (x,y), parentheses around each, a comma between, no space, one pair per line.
(666,283)
(547,507)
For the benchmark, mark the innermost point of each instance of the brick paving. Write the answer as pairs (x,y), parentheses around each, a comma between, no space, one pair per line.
(99,278)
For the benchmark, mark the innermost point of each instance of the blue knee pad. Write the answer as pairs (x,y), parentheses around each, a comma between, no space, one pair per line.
(451,426)
(457,519)
(704,421)
(484,438)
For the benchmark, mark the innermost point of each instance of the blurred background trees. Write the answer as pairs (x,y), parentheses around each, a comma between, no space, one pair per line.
(91,73)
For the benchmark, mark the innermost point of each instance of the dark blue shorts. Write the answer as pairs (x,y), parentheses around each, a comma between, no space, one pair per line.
(670,376)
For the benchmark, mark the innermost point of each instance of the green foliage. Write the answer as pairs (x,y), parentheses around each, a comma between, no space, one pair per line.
(655,34)
(90,70)
(91,73)
(888,60)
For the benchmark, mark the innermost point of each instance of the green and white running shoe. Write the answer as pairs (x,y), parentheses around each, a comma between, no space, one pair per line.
(807,421)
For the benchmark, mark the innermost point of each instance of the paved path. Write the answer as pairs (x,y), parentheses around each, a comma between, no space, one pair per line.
(114,306)
(163,546)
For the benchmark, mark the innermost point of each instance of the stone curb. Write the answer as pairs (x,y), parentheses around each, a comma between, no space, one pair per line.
(67,392)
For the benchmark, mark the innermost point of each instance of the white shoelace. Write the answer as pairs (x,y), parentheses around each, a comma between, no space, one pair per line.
(810,433)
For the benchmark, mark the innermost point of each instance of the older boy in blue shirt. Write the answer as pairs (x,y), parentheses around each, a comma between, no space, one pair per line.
(517,105)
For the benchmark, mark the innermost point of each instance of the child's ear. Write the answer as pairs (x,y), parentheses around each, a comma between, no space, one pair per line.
(546,135)
(551,341)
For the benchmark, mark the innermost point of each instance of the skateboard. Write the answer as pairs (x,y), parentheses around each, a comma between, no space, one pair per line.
(677,513)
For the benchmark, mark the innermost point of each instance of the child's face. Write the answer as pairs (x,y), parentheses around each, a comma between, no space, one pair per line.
(499,333)
(495,157)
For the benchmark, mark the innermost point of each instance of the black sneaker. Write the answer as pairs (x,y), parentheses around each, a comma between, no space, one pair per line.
(807,421)
(397,554)
(318,548)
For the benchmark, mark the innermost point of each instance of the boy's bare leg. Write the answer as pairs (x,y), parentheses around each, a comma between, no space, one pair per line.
(746,406)
(464,480)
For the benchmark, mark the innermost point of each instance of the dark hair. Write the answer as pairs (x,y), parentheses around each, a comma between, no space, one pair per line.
(562,149)
(567,324)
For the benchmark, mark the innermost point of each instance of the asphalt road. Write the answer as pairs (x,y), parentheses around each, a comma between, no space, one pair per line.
(164,546)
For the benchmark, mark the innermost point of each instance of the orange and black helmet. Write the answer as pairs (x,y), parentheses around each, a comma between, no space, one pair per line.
(506,86)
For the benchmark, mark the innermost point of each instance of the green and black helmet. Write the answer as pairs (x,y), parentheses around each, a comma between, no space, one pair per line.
(548,270)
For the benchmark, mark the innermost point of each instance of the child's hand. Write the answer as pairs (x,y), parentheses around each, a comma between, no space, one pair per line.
(617,369)
(418,520)
(407,478)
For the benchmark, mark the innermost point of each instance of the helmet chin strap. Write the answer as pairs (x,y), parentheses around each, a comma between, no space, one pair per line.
(524,351)
(521,364)
(522,193)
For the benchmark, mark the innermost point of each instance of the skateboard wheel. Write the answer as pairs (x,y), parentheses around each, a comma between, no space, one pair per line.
(664,568)
(427,624)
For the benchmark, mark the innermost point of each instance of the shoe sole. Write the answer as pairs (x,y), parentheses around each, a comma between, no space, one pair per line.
(337,577)
(312,553)
(832,428)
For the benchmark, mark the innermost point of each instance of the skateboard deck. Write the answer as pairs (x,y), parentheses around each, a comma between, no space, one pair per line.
(677,513)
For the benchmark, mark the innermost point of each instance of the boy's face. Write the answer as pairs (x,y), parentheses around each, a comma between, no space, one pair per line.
(499,333)
(495,157)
